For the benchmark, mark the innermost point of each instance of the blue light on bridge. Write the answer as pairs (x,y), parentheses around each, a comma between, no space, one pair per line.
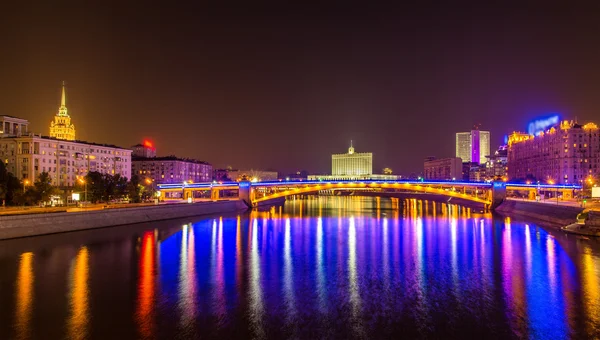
(209,185)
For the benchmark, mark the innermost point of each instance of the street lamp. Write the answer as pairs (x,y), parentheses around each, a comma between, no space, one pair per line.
(84,182)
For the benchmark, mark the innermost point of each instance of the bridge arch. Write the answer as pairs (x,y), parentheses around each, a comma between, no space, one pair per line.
(260,195)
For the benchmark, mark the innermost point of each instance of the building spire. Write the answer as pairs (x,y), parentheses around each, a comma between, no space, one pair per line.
(62,110)
(63,99)
(351,148)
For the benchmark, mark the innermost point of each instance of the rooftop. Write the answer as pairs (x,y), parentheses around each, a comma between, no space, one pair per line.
(13,117)
(31,135)
(167,158)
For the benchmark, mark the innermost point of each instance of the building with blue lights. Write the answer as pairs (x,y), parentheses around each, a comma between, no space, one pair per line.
(567,153)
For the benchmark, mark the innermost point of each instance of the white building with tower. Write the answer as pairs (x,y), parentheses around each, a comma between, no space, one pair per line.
(26,155)
(352,163)
(352,166)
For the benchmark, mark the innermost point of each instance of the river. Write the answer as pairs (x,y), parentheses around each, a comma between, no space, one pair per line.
(327,267)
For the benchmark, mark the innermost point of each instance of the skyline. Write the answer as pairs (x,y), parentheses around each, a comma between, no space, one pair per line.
(208,85)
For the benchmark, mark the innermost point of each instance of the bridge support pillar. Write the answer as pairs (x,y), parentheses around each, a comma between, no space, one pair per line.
(245,193)
(498,194)
(214,194)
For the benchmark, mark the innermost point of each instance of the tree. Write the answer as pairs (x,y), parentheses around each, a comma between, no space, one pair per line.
(43,188)
(3,183)
(95,186)
(115,187)
(135,189)
(10,186)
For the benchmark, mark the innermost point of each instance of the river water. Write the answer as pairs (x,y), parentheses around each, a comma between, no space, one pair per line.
(328,267)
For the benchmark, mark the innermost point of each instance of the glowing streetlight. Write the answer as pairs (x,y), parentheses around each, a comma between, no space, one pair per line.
(84,182)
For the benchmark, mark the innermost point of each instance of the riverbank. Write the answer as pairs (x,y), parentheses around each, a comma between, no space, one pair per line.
(556,216)
(57,222)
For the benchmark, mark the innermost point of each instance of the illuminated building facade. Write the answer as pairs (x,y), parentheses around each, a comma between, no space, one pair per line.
(567,153)
(61,127)
(497,164)
(171,169)
(473,146)
(443,168)
(27,156)
(352,163)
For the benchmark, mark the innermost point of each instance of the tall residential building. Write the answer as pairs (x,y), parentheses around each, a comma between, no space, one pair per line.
(443,169)
(567,153)
(473,147)
(27,156)
(61,127)
(169,169)
(352,163)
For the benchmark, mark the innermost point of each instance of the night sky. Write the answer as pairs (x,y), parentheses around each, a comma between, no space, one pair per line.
(284,88)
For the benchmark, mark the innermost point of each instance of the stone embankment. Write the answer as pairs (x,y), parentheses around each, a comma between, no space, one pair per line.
(549,214)
(50,223)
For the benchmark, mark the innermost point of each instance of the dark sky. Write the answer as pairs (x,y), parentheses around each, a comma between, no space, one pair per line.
(284,88)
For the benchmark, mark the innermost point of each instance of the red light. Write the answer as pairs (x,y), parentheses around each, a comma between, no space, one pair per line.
(148,144)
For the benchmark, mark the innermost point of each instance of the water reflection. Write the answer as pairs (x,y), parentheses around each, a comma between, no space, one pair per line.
(146,286)
(187,281)
(591,290)
(24,296)
(288,280)
(79,318)
(349,268)
(353,278)
(256,295)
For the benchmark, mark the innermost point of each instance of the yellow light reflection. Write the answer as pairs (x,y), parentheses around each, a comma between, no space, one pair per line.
(79,319)
(24,294)
(591,289)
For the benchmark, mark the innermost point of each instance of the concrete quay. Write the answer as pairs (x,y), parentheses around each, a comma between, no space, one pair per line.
(548,214)
(14,226)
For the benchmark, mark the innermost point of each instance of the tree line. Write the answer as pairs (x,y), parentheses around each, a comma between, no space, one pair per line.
(96,186)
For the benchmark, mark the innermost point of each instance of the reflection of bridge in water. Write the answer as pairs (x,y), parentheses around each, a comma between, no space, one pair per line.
(488,195)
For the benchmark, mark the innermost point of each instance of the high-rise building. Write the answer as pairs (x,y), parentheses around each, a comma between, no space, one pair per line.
(443,169)
(61,127)
(568,153)
(26,155)
(352,163)
(473,146)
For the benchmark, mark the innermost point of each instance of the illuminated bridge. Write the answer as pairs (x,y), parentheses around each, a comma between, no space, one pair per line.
(489,195)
